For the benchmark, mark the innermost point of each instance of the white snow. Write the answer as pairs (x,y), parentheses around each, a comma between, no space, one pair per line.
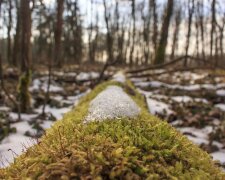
(24,117)
(220,92)
(42,84)
(186,99)
(219,156)
(182,98)
(221,106)
(4,108)
(17,142)
(56,112)
(47,124)
(119,77)
(86,76)
(157,107)
(111,103)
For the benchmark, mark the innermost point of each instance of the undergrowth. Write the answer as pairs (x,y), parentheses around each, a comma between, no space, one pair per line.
(144,147)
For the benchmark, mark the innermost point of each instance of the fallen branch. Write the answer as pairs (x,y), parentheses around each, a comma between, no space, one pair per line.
(105,67)
(170,71)
(160,66)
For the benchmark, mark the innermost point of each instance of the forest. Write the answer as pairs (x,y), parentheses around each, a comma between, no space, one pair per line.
(129,78)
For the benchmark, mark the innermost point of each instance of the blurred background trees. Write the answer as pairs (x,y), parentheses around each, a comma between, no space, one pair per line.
(134,32)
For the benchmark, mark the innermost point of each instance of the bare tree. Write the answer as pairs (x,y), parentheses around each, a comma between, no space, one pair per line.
(24,95)
(9,32)
(153,5)
(161,48)
(176,32)
(213,25)
(16,46)
(133,32)
(109,39)
(200,11)
(58,33)
(190,16)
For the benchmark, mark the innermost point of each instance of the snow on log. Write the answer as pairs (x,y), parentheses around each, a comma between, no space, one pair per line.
(112,103)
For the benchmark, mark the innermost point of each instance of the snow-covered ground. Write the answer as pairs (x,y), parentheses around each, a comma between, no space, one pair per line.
(162,98)
(17,142)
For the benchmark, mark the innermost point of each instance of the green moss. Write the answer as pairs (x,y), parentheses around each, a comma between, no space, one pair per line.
(139,148)
(23,91)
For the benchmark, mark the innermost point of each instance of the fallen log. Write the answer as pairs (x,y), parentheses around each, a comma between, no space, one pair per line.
(111,135)
(169,71)
(173,62)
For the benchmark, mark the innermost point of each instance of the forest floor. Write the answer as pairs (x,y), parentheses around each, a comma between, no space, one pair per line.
(192,102)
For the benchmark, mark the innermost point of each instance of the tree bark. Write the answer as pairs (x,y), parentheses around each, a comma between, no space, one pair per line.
(176,32)
(24,95)
(213,23)
(58,33)
(161,49)
(190,15)
(9,32)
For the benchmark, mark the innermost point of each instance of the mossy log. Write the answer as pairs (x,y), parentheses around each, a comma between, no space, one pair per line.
(143,147)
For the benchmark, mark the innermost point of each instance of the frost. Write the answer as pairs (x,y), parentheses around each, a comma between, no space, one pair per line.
(110,104)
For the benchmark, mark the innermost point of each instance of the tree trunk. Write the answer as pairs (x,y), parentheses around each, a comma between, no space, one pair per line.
(16,46)
(133,33)
(109,40)
(58,33)
(9,33)
(213,23)
(190,15)
(176,32)
(155,23)
(24,95)
(161,49)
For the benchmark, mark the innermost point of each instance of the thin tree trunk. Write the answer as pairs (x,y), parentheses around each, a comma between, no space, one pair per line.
(155,23)
(16,46)
(133,33)
(9,33)
(190,15)
(176,33)
(24,95)
(58,33)
(161,49)
(213,23)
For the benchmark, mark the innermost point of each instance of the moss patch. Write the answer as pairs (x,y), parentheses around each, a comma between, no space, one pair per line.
(139,148)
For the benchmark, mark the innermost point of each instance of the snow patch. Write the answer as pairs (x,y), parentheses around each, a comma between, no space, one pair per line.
(220,92)
(219,156)
(111,103)
(221,106)
(157,107)
(119,77)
